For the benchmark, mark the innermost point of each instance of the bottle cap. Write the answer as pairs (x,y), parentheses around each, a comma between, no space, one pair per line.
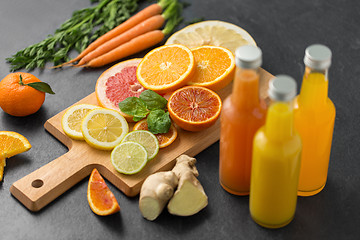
(282,88)
(318,57)
(248,57)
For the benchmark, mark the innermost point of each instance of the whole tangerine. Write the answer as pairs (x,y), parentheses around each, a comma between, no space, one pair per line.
(19,99)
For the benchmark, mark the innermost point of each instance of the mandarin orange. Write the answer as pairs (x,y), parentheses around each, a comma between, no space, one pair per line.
(17,99)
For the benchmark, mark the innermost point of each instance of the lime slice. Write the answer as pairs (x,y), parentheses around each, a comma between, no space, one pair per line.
(72,118)
(129,157)
(146,139)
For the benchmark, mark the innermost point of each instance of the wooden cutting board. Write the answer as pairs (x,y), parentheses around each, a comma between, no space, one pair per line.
(42,186)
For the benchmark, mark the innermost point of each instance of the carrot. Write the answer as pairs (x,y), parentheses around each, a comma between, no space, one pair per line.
(133,46)
(146,13)
(148,25)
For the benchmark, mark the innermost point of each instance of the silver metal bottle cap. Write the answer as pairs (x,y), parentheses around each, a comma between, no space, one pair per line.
(282,88)
(248,56)
(318,57)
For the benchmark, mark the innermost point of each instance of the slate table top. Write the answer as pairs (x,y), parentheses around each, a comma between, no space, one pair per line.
(282,29)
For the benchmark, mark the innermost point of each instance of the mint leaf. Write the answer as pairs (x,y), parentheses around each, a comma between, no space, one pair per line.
(135,107)
(158,121)
(153,100)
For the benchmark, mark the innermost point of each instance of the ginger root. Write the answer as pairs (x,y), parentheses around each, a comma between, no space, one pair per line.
(158,188)
(155,192)
(190,196)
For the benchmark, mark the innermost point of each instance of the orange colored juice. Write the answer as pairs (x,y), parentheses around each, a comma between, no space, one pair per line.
(242,115)
(314,119)
(275,168)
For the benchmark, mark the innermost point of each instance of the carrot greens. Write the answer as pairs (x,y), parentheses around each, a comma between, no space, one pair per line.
(82,28)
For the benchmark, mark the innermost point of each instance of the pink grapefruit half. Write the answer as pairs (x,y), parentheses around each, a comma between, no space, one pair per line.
(117,83)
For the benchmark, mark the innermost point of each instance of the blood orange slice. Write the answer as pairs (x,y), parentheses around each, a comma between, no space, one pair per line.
(165,139)
(101,200)
(194,108)
(117,83)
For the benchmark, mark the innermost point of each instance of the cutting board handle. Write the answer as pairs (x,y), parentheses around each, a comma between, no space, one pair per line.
(45,184)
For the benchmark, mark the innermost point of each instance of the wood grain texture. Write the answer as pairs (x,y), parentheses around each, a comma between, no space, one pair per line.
(42,186)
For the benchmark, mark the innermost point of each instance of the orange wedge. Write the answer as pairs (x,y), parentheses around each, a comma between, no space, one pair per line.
(194,108)
(166,68)
(11,143)
(165,139)
(215,67)
(101,200)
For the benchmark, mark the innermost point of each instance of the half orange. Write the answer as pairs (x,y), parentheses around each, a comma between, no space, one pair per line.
(194,108)
(215,67)
(165,139)
(101,200)
(166,68)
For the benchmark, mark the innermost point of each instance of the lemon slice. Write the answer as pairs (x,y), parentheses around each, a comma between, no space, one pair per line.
(104,128)
(146,139)
(215,33)
(72,118)
(129,157)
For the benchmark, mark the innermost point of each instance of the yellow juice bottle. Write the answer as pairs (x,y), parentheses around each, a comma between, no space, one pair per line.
(314,119)
(276,159)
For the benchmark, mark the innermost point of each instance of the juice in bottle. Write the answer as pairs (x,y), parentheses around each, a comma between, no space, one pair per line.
(276,159)
(243,113)
(314,120)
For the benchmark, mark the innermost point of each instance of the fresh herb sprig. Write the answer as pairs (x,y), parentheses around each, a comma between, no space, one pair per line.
(83,27)
(151,105)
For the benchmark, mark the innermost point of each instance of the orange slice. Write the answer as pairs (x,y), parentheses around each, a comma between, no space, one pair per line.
(11,143)
(166,68)
(215,67)
(194,108)
(165,139)
(101,200)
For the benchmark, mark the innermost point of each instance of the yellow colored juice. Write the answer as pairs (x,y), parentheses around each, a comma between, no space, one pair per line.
(314,120)
(275,168)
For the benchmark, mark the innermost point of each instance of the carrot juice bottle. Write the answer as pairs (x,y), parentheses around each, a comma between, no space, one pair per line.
(276,159)
(314,119)
(243,113)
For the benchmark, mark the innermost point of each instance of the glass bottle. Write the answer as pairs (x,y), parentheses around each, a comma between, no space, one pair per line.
(314,119)
(242,115)
(276,159)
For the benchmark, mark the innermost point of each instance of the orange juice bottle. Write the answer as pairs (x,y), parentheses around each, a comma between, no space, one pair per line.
(314,119)
(242,115)
(276,159)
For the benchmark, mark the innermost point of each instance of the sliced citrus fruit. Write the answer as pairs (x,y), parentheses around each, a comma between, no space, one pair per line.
(72,118)
(194,108)
(215,67)
(165,139)
(2,165)
(117,83)
(216,33)
(104,128)
(146,139)
(101,200)
(12,143)
(129,157)
(166,68)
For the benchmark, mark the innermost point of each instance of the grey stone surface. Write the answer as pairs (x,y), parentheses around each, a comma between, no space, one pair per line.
(283,29)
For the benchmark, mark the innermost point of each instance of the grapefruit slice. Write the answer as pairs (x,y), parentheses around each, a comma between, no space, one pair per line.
(117,83)
(101,200)
(194,108)
(215,33)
